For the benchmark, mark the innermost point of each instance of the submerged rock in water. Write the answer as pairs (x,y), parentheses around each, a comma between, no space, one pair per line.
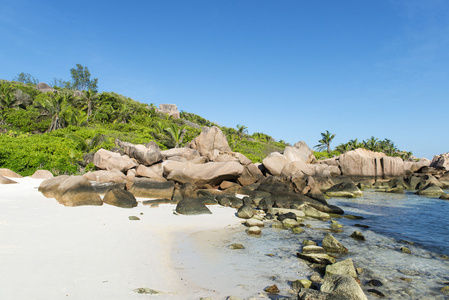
(430,190)
(357,235)
(344,189)
(254,230)
(345,267)
(322,259)
(376,293)
(236,246)
(245,212)
(273,289)
(342,285)
(297,285)
(331,244)
(405,250)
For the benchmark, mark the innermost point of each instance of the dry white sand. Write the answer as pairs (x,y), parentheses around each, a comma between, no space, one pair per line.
(49,251)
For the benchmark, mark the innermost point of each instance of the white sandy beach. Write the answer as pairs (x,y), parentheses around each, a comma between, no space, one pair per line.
(49,251)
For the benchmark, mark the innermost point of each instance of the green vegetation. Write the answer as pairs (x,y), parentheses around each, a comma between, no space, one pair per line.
(60,130)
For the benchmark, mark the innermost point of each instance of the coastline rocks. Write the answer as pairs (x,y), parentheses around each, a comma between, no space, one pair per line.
(441,161)
(317,258)
(299,168)
(120,198)
(144,155)
(357,235)
(76,191)
(108,160)
(344,189)
(143,171)
(444,197)
(254,230)
(275,163)
(314,213)
(187,153)
(245,212)
(4,180)
(362,162)
(192,206)
(42,174)
(210,143)
(430,190)
(148,188)
(345,267)
(212,173)
(331,244)
(344,286)
(250,175)
(48,187)
(8,173)
(299,152)
(106,176)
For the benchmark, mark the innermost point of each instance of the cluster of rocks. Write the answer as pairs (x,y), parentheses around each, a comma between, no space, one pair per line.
(6,175)
(169,109)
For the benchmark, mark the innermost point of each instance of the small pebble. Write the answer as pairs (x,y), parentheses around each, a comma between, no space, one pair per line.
(133,218)
(272,289)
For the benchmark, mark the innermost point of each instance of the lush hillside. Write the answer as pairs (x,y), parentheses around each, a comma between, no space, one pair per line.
(59,129)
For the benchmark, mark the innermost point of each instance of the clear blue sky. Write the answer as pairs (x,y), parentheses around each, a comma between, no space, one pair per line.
(291,69)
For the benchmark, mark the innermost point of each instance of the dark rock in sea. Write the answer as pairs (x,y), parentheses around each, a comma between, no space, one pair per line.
(273,289)
(322,259)
(376,293)
(289,215)
(361,226)
(444,197)
(357,235)
(257,196)
(343,286)
(120,197)
(269,216)
(192,206)
(344,189)
(331,244)
(134,218)
(374,282)
(297,285)
(245,212)
(431,190)
(266,203)
(236,246)
(405,250)
(353,217)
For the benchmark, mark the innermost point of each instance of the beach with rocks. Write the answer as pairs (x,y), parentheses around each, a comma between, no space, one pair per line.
(203,221)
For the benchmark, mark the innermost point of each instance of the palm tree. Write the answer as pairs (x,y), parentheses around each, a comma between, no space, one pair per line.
(90,97)
(56,106)
(371,144)
(326,139)
(6,100)
(176,134)
(241,130)
(354,144)
(343,148)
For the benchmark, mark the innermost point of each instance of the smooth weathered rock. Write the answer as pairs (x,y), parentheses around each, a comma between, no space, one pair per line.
(192,206)
(441,162)
(45,88)
(120,198)
(344,189)
(313,249)
(299,168)
(212,173)
(275,163)
(8,173)
(318,258)
(49,187)
(310,294)
(301,151)
(342,285)
(430,190)
(290,223)
(144,171)
(76,191)
(254,230)
(413,166)
(331,244)
(148,188)
(254,222)
(169,109)
(250,175)
(297,285)
(101,158)
(345,267)
(106,176)
(187,153)
(236,246)
(144,155)
(444,196)
(245,212)
(4,180)
(42,174)
(210,143)
(314,213)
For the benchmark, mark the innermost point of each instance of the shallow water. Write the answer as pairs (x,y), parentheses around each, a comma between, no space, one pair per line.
(395,221)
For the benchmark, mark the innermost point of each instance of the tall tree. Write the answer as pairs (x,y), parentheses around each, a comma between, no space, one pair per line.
(26,78)
(90,97)
(176,134)
(241,130)
(325,142)
(81,79)
(57,107)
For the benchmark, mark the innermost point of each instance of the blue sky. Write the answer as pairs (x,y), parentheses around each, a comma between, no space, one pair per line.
(291,69)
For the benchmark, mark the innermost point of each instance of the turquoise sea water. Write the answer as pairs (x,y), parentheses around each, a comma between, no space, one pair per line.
(395,220)
(421,220)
